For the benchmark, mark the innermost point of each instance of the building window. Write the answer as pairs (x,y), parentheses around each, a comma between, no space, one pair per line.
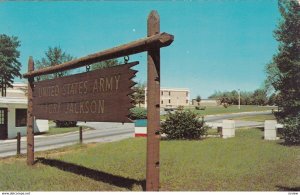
(169,101)
(21,117)
(162,93)
(1,117)
(187,101)
(169,93)
(187,94)
(162,101)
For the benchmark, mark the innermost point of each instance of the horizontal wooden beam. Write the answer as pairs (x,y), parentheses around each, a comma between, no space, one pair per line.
(141,45)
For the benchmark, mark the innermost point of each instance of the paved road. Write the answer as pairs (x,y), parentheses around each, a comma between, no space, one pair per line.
(104,132)
(216,120)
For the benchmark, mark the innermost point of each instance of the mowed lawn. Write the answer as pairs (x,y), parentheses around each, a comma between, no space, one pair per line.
(212,110)
(243,163)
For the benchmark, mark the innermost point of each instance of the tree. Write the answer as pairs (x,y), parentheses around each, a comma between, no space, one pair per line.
(198,99)
(139,94)
(285,66)
(54,56)
(105,64)
(9,65)
(259,97)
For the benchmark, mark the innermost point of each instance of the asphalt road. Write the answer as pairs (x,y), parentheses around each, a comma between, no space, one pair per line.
(104,132)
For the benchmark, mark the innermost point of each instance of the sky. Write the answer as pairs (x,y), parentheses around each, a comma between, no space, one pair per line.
(219,45)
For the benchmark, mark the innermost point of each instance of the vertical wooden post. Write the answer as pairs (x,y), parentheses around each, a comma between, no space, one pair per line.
(153,107)
(80,134)
(18,143)
(30,130)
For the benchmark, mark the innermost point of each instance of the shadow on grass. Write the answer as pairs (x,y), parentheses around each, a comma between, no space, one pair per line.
(93,174)
(283,188)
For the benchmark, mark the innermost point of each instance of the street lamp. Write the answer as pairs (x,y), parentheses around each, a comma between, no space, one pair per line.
(239,99)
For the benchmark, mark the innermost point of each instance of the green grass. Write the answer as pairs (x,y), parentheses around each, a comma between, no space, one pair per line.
(213,110)
(53,130)
(60,130)
(258,118)
(243,163)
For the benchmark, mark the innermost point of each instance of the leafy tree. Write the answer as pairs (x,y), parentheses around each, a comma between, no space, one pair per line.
(105,64)
(285,66)
(53,56)
(198,99)
(9,65)
(259,97)
(139,94)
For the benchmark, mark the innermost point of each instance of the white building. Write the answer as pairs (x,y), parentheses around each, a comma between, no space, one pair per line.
(13,113)
(172,97)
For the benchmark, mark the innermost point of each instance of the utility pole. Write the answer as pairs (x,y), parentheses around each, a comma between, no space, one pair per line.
(239,99)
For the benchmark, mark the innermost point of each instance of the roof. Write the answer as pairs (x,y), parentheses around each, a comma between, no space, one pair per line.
(172,89)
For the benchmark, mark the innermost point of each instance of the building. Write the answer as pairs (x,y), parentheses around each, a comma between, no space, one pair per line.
(206,102)
(13,113)
(172,97)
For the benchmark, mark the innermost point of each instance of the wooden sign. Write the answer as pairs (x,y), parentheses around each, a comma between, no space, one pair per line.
(99,95)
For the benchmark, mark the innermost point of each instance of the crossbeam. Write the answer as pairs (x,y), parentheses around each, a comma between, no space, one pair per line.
(141,45)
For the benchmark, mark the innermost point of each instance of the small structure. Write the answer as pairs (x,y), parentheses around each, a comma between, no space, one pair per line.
(13,113)
(140,128)
(228,128)
(172,97)
(270,130)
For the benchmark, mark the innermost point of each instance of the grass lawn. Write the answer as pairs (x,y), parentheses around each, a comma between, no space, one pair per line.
(55,130)
(243,163)
(212,110)
(258,118)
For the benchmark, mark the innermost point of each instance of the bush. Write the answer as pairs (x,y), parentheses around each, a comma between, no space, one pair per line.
(138,113)
(65,123)
(291,130)
(183,125)
(200,107)
(180,108)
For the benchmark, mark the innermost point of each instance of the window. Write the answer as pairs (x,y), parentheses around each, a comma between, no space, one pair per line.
(21,117)
(187,94)
(169,93)
(169,101)
(162,101)
(187,101)
(1,117)
(162,93)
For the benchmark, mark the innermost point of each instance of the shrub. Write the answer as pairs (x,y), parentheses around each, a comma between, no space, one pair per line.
(138,113)
(200,107)
(291,130)
(183,125)
(180,108)
(65,123)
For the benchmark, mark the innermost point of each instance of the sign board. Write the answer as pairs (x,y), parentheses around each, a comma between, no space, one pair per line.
(99,95)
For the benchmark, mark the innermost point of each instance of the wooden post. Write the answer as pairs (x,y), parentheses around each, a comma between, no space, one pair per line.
(30,130)
(80,134)
(153,107)
(18,143)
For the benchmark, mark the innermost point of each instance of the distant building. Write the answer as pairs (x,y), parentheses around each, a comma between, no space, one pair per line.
(172,97)
(13,113)
(206,102)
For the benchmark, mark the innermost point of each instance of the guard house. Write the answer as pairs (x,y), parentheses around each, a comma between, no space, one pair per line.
(13,113)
